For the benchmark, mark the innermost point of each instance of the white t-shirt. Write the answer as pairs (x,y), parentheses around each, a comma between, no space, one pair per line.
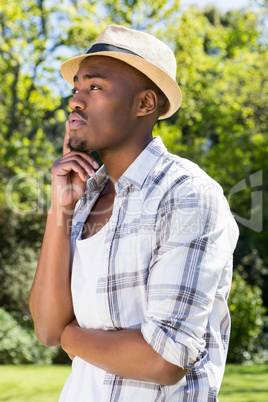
(85,381)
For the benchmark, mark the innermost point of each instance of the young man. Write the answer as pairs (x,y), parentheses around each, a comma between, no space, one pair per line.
(137,294)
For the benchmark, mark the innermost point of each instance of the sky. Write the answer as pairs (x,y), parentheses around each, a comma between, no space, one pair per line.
(223,5)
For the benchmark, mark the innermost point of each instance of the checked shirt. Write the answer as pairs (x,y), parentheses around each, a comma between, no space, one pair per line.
(166,268)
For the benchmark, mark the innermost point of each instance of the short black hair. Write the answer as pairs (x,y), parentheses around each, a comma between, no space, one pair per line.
(141,81)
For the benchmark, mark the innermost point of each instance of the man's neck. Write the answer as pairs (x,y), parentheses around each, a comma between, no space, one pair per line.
(117,162)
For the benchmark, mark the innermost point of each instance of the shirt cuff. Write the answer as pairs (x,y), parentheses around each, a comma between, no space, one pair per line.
(162,341)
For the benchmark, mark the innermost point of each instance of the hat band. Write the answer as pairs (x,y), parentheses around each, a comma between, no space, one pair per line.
(105,47)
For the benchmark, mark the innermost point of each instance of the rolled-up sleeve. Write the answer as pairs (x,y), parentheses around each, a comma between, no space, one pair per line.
(194,241)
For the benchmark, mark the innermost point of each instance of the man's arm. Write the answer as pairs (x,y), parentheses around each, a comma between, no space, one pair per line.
(50,298)
(124,353)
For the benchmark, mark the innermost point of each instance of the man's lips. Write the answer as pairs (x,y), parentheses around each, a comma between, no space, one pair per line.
(76,124)
(75,120)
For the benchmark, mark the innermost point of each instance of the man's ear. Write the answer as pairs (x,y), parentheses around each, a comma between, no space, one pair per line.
(147,102)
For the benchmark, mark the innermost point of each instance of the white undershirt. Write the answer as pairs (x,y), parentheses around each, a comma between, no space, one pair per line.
(86,381)
(87,257)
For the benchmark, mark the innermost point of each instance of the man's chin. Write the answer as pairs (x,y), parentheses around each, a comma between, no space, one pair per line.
(77,145)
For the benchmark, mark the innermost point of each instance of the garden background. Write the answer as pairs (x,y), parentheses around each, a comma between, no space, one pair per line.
(222,126)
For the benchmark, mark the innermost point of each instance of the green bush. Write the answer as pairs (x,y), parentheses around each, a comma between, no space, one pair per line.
(18,345)
(247,343)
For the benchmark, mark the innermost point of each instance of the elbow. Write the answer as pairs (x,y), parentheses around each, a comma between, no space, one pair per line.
(47,337)
(47,330)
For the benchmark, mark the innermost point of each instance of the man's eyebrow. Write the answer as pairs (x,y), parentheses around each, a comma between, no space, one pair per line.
(90,76)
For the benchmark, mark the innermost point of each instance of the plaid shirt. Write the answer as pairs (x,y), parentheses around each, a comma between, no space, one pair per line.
(166,269)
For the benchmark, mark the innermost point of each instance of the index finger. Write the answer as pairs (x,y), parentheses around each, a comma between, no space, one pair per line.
(66,150)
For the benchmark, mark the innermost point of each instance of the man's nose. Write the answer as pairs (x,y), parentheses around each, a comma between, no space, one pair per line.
(77,102)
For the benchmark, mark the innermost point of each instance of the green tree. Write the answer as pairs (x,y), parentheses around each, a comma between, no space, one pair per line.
(222,124)
(247,342)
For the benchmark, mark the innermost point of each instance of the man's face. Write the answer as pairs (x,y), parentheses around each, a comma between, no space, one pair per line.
(103,105)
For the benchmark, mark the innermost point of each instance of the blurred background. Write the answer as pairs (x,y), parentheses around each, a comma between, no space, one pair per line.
(222,54)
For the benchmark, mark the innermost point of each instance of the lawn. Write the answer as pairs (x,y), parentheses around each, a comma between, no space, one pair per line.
(245,383)
(32,383)
(43,384)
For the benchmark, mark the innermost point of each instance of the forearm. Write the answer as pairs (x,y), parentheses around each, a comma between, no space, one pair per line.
(124,353)
(50,297)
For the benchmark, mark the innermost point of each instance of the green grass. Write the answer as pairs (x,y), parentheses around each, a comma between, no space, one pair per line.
(32,383)
(245,383)
(44,384)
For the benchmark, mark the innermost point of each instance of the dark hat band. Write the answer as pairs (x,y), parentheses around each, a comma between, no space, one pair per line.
(105,47)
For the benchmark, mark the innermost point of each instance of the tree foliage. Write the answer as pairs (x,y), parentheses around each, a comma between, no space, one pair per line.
(222,124)
(247,341)
(18,345)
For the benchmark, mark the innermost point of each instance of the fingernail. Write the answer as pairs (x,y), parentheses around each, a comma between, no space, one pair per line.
(95,164)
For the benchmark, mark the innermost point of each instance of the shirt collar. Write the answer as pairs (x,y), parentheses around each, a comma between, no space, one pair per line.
(138,171)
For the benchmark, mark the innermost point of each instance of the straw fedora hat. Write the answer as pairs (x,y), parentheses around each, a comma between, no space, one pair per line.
(140,50)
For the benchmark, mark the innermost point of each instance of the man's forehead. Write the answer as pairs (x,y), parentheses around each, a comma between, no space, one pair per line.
(103,66)
(90,77)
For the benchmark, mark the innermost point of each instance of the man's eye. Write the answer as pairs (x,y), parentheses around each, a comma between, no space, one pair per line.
(92,88)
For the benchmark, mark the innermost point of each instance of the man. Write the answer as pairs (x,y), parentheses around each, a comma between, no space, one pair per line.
(143,314)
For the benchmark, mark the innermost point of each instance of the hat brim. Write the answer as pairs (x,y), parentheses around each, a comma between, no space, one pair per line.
(167,85)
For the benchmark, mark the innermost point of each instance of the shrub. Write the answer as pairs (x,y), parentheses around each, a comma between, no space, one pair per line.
(247,342)
(18,345)
(20,242)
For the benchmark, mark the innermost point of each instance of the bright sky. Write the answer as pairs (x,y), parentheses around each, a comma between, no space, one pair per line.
(223,5)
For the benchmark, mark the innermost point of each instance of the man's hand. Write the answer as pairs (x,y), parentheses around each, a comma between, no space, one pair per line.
(69,175)
(74,323)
